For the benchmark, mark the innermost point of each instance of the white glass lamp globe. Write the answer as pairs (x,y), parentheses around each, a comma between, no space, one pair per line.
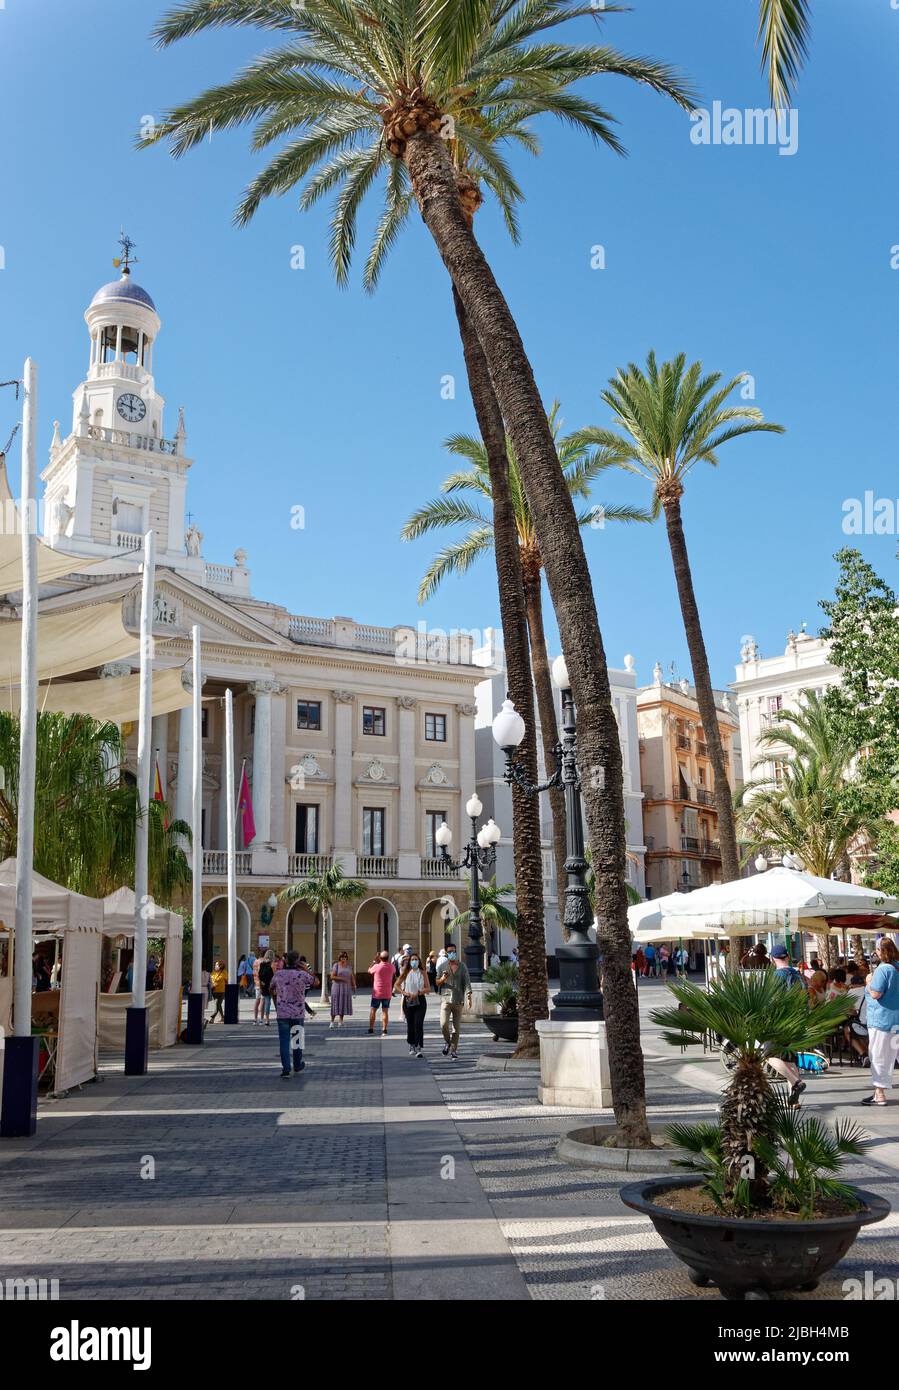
(508,726)
(484,837)
(560,673)
(444,836)
(272,901)
(494,834)
(473,807)
(761,863)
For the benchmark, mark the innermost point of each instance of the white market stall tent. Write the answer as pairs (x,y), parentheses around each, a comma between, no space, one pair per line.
(164,1004)
(779,899)
(75,924)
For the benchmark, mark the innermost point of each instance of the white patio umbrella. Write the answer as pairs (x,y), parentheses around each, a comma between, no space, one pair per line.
(779,898)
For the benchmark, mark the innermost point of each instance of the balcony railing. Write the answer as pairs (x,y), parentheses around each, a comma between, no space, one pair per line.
(307,865)
(680,793)
(215,862)
(127,540)
(147,442)
(689,843)
(711,849)
(704,796)
(683,741)
(376,866)
(437,868)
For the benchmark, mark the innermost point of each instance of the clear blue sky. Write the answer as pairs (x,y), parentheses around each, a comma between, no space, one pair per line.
(298,394)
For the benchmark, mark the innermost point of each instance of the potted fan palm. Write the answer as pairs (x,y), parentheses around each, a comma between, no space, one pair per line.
(764,1209)
(503,981)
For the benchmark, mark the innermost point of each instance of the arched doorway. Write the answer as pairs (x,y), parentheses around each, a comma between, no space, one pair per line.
(304,934)
(436,916)
(377,929)
(215,930)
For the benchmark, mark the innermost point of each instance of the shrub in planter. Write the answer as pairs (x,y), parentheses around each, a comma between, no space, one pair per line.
(768,1210)
(503,981)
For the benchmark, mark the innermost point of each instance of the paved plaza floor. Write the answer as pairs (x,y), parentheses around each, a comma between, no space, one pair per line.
(371,1175)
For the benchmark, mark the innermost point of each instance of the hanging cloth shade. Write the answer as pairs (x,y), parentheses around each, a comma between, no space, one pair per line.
(115,698)
(67,642)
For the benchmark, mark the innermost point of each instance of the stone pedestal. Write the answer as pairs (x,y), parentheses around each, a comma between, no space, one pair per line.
(574,1064)
(479,1005)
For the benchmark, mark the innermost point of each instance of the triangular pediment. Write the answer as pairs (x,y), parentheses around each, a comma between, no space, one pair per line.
(179,605)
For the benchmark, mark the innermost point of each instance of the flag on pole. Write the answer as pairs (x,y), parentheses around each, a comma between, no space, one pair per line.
(159,794)
(245,809)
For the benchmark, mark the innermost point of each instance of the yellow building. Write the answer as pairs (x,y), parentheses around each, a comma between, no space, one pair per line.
(680,823)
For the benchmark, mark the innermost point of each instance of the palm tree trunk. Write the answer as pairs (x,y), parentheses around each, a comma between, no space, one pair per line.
(549,728)
(727,833)
(568,576)
(532,991)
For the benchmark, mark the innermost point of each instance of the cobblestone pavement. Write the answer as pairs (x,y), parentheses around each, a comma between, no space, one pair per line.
(369,1176)
(570,1233)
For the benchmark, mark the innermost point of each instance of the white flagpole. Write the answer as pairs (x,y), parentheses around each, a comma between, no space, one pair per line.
(19,1106)
(197,818)
(231,996)
(137,1032)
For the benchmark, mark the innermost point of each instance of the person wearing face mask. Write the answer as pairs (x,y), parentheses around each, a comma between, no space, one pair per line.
(454,983)
(413,986)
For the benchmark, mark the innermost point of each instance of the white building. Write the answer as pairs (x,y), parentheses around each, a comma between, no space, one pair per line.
(358,739)
(765,685)
(496,794)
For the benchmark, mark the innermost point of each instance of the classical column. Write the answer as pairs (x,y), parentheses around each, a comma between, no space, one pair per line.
(279,743)
(185,759)
(222,836)
(466,714)
(262,691)
(114,670)
(343,847)
(409,865)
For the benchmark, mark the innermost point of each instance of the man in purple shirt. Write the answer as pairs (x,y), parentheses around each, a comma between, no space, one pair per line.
(288,989)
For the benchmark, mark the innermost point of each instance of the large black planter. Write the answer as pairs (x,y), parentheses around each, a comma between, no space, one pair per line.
(503,1029)
(747,1258)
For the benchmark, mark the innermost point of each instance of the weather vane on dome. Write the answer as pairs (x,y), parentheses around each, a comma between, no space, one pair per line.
(126,260)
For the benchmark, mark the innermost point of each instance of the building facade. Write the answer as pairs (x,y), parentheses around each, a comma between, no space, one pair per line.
(766,685)
(496,795)
(679,818)
(358,740)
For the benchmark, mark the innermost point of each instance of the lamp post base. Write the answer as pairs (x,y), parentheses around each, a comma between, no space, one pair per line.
(579,1000)
(474,959)
(18,1115)
(196,1008)
(232,995)
(137,1041)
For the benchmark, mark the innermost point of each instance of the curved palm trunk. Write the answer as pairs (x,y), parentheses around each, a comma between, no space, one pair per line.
(568,576)
(727,833)
(549,729)
(532,991)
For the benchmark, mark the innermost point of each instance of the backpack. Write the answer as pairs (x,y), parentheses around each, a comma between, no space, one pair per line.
(266,973)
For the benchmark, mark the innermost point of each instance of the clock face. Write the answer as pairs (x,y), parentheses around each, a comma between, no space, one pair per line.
(131,407)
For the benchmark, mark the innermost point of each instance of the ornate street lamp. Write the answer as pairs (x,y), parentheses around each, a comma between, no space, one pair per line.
(269,907)
(579,997)
(478,857)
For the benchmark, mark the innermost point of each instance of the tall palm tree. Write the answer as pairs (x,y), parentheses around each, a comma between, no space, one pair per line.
(85,816)
(579,466)
(399,88)
(671,417)
(322,892)
(395,78)
(810,811)
(494,913)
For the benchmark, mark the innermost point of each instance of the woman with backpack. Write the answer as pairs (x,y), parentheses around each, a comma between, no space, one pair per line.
(263,1005)
(882,995)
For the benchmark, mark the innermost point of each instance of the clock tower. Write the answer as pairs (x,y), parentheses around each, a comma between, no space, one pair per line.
(116,474)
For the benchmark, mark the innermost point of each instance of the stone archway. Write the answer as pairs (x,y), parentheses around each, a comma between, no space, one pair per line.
(436,916)
(215,930)
(304,934)
(376,929)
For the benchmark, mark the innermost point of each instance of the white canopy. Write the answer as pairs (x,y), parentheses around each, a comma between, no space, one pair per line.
(779,898)
(68,641)
(165,1020)
(118,917)
(115,698)
(686,931)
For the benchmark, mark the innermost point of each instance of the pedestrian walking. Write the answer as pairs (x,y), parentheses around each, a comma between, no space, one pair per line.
(218,982)
(882,1020)
(242,976)
(431,968)
(288,988)
(401,959)
(304,965)
(649,956)
(382,982)
(263,1006)
(250,976)
(791,979)
(414,987)
(343,987)
(454,985)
